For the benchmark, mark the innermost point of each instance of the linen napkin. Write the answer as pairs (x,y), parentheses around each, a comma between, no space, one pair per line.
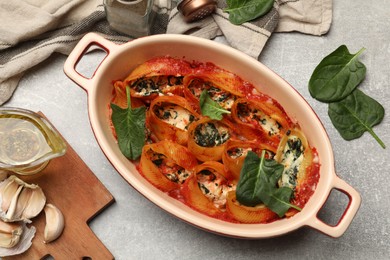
(32,30)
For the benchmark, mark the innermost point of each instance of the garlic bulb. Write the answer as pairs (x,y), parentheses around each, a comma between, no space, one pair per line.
(20,200)
(54,223)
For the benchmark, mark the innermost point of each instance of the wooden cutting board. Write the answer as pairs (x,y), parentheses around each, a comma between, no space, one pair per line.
(70,185)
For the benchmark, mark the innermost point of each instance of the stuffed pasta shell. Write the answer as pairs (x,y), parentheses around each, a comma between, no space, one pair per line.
(235,152)
(207,188)
(159,76)
(301,166)
(264,117)
(207,138)
(194,86)
(244,214)
(166,164)
(169,118)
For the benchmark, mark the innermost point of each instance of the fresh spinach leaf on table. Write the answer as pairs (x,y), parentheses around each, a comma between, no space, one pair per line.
(129,126)
(241,11)
(258,184)
(337,75)
(355,115)
(211,108)
(335,81)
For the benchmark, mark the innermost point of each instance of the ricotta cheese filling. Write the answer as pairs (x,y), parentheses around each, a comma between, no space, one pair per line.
(222,97)
(215,189)
(168,167)
(237,152)
(210,134)
(293,155)
(147,86)
(267,123)
(175,115)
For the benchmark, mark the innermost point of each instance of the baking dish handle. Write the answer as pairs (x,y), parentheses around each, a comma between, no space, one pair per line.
(89,40)
(348,215)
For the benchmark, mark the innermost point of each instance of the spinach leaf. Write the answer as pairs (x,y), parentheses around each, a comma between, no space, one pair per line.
(241,11)
(356,114)
(129,126)
(337,75)
(211,108)
(258,183)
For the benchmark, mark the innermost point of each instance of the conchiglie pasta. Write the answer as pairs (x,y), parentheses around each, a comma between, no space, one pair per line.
(220,78)
(244,214)
(235,153)
(296,155)
(160,66)
(265,117)
(207,188)
(300,167)
(166,164)
(162,75)
(207,138)
(220,94)
(169,117)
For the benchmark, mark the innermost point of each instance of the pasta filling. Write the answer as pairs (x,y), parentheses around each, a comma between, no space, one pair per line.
(215,189)
(174,115)
(147,86)
(168,167)
(210,135)
(292,158)
(223,98)
(258,118)
(237,152)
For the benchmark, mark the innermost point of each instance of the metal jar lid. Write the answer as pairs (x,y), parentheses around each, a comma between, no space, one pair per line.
(194,10)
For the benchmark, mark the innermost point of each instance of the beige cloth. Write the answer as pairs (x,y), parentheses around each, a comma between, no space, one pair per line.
(24,20)
(306,16)
(32,30)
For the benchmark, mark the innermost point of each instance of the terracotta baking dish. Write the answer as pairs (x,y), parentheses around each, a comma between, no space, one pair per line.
(121,59)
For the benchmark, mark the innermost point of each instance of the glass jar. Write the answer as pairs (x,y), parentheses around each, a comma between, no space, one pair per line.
(131,17)
(27,141)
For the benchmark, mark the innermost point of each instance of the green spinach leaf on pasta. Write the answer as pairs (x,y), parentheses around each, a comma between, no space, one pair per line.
(211,108)
(129,126)
(258,184)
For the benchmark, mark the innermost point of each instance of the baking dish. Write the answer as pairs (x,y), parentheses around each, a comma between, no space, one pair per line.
(121,59)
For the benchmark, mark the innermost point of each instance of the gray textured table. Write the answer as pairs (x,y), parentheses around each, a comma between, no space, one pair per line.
(134,228)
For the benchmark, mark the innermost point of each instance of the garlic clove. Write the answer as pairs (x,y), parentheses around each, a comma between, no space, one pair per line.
(55,223)
(23,201)
(10,234)
(20,200)
(35,204)
(8,192)
(14,202)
